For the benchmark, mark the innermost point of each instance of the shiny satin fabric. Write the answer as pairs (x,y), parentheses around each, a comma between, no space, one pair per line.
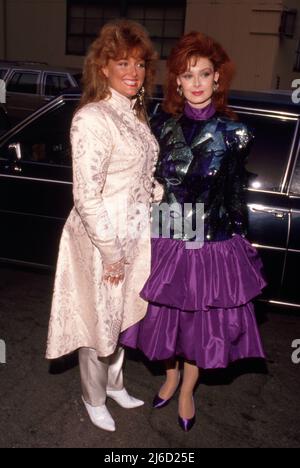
(200,303)
(220,274)
(211,338)
(100,374)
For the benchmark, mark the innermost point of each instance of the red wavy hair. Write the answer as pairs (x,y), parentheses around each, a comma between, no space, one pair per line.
(116,40)
(190,47)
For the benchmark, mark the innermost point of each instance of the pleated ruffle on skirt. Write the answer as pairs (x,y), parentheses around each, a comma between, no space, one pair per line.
(200,303)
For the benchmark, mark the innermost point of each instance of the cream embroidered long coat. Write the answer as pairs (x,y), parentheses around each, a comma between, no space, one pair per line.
(114,156)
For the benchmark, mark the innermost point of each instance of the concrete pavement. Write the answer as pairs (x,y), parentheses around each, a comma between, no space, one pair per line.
(250,404)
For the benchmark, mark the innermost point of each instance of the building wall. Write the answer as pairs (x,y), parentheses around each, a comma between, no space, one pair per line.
(41,34)
(286,54)
(36,31)
(2,30)
(248,29)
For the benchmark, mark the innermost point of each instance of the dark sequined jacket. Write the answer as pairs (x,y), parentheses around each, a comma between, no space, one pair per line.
(204,162)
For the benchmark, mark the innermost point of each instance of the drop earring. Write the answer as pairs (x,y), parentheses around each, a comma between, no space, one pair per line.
(215,86)
(179,90)
(140,96)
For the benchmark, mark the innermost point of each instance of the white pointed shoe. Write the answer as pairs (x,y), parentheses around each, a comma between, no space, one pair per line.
(100,416)
(124,399)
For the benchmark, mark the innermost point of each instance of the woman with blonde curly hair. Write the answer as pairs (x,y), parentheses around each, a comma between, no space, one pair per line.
(104,256)
(204,272)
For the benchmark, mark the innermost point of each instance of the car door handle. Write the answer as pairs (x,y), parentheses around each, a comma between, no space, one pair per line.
(15,150)
(265,209)
(17,169)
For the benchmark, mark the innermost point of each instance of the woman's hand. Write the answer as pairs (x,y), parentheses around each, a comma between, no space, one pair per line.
(114,273)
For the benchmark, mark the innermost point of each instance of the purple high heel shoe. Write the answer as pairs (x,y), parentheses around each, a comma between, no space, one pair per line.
(186,424)
(160,402)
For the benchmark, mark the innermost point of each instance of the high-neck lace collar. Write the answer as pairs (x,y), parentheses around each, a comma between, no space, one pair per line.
(121,101)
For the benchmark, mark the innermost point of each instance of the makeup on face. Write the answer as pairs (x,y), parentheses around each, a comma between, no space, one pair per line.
(197,82)
(126,75)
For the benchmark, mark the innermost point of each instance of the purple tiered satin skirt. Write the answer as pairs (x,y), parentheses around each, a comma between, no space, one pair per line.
(200,303)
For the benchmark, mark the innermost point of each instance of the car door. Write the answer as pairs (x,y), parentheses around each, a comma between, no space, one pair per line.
(291,284)
(22,94)
(268,202)
(36,186)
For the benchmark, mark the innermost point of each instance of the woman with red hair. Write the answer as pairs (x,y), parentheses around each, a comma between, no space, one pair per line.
(204,272)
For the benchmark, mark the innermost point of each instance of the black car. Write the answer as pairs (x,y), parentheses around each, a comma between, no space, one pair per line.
(4,120)
(36,186)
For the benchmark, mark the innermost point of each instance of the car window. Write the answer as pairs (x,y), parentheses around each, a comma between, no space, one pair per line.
(46,140)
(270,151)
(2,72)
(78,78)
(54,84)
(295,186)
(23,82)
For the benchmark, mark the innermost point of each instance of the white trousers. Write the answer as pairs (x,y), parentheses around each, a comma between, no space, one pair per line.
(100,374)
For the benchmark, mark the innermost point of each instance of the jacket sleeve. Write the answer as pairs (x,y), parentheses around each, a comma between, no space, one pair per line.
(238,180)
(92,145)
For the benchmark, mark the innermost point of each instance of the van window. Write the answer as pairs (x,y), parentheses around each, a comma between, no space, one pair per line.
(78,78)
(295,187)
(270,151)
(56,83)
(23,82)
